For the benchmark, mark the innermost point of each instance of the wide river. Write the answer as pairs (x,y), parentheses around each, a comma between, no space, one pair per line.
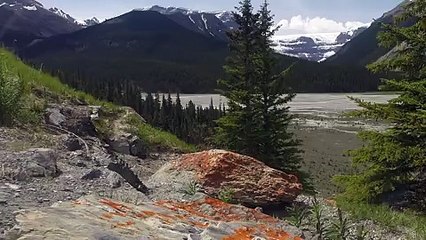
(316,110)
(306,103)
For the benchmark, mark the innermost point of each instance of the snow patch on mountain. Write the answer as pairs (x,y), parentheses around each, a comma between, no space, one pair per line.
(30,8)
(314,47)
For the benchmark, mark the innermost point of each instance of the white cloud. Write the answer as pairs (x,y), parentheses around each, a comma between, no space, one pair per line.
(301,25)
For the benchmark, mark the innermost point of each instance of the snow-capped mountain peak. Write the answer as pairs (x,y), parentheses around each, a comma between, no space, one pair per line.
(27,5)
(83,23)
(62,14)
(315,47)
(167,10)
(89,22)
(211,24)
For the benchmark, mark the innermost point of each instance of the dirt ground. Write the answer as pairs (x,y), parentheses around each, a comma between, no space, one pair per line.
(326,155)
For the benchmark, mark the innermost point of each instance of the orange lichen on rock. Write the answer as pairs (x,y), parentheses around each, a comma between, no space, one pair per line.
(253,182)
(220,209)
(270,234)
(116,206)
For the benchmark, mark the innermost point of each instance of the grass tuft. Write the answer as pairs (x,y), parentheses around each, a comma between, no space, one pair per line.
(386,216)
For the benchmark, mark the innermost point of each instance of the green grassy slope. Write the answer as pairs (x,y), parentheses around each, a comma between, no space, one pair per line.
(39,88)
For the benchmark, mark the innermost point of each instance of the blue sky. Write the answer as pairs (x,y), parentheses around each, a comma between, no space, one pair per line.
(295,13)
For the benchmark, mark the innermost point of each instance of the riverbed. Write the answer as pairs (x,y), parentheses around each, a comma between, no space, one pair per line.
(326,133)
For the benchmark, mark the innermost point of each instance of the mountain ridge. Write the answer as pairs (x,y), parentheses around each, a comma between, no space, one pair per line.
(364,48)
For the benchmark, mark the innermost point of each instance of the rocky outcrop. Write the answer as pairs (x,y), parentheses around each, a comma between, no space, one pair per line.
(129,144)
(76,119)
(98,218)
(242,178)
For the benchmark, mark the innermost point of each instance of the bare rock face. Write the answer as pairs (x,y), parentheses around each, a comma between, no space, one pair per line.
(240,178)
(76,119)
(95,218)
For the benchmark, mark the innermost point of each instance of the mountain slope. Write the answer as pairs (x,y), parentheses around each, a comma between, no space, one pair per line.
(313,47)
(138,46)
(211,24)
(25,20)
(364,48)
(158,54)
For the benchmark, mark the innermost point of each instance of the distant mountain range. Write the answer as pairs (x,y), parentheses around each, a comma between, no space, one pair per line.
(160,52)
(175,49)
(316,47)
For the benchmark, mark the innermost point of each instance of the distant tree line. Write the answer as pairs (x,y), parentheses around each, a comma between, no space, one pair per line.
(191,123)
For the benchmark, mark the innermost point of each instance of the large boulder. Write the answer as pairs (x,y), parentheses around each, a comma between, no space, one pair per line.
(94,218)
(230,176)
(129,144)
(42,163)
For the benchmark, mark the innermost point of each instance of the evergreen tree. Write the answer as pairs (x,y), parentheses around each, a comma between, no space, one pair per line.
(277,146)
(235,130)
(398,155)
(258,116)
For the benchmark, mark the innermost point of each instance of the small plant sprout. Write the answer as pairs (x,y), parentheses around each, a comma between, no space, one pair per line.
(226,195)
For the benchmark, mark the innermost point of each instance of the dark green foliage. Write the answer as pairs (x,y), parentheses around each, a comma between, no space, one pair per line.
(257,118)
(11,93)
(318,219)
(339,229)
(298,214)
(193,124)
(360,233)
(237,130)
(396,157)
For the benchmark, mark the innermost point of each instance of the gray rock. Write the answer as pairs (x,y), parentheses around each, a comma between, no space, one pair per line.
(73,144)
(54,116)
(42,163)
(138,148)
(129,145)
(120,144)
(114,180)
(193,236)
(93,174)
(4,198)
(214,231)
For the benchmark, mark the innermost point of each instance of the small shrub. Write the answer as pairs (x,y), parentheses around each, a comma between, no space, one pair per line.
(226,195)
(319,221)
(297,215)
(191,188)
(339,229)
(360,233)
(11,91)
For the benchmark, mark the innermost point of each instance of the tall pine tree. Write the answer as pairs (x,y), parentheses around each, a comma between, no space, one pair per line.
(257,116)
(276,144)
(397,156)
(235,131)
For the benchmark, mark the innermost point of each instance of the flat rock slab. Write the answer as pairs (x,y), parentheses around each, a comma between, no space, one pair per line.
(96,218)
